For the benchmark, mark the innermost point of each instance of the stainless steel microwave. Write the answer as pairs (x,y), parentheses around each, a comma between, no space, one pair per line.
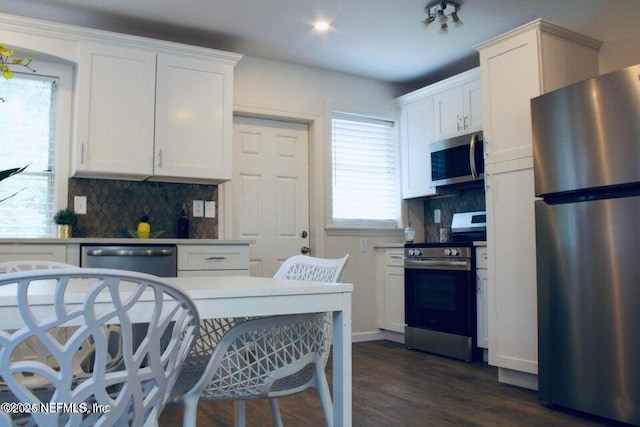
(458,160)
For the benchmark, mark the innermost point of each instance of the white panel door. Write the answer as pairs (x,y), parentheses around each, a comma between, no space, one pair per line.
(270,190)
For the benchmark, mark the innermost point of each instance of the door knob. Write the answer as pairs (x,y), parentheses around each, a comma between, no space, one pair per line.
(304,250)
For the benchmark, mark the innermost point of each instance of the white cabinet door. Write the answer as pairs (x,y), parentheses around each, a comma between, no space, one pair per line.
(510,81)
(394,299)
(512,270)
(417,134)
(458,110)
(472,97)
(116,114)
(193,118)
(448,113)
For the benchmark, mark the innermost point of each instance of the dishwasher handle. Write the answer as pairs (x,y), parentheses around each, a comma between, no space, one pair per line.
(130,252)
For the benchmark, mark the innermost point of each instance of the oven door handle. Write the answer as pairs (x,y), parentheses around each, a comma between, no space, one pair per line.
(437,264)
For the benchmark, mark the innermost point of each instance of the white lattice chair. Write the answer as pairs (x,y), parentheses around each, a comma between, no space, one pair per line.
(137,390)
(266,357)
(32,349)
(30,265)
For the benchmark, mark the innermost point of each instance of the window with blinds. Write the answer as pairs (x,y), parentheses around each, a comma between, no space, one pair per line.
(364,172)
(27,137)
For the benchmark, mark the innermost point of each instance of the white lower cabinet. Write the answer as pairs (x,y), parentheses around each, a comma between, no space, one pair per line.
(69,254)
(213,260)
(391,289)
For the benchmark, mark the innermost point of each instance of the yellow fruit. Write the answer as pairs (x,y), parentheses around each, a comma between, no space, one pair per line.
(144,229)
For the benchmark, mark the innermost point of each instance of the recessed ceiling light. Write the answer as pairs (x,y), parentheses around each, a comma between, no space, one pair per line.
(321,26)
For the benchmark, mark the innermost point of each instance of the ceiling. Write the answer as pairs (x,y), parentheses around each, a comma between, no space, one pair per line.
(380,39)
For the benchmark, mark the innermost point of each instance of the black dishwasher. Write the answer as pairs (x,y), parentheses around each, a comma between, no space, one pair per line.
(159,260)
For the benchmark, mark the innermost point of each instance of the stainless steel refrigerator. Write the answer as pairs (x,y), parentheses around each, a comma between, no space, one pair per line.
(586,147)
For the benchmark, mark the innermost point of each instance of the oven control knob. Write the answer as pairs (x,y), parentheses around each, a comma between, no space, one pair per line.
(418,252)
(455,252)
(447,252)
(410,252)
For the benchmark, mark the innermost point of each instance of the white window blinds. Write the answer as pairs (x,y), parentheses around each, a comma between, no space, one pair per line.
(27,136)
(364,172)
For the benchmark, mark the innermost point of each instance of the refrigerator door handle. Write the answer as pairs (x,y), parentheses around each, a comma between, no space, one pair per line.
(472,155)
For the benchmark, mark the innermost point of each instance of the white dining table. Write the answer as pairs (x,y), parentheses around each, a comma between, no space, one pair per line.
(238,296)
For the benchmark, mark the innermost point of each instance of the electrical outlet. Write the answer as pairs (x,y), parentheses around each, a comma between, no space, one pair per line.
(436,216)
(364,245)
(198,208)
(80,205)
(209,209)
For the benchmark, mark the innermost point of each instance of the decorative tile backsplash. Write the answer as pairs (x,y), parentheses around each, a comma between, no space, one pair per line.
(466,201)
(115,206)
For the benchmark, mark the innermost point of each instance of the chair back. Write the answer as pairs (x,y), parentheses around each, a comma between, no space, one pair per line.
(29,265)
(304,267)
(88,299)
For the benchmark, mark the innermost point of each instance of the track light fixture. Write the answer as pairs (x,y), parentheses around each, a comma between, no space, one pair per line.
(441,9)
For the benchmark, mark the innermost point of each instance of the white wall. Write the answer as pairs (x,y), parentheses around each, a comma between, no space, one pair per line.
(617,54)
(279,89)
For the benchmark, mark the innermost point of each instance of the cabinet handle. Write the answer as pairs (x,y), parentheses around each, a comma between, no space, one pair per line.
(82,153)
(215,258)
(459,127)
(397,257)
(160,158)
(466,122)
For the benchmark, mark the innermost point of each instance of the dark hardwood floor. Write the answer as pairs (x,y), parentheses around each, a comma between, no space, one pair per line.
(393,386)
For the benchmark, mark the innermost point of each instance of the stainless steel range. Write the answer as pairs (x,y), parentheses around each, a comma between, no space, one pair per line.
(440,291)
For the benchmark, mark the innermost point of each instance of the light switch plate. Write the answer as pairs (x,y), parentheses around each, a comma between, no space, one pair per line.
(80,205)
(209,209)
(436,216)
(198,208)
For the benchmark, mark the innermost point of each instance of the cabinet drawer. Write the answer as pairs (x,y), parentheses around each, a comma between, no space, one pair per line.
(10,252)
(394,257)
(221,257)
(481,257)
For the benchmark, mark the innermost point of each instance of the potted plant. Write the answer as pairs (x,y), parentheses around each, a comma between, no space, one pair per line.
(66,219)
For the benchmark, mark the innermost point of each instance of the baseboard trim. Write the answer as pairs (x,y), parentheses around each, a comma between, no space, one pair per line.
(377,336)
(367,336)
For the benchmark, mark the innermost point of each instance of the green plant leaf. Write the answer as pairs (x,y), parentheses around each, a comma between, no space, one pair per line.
(9,172)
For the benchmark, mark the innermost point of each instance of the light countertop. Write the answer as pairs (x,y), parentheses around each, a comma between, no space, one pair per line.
(122,241)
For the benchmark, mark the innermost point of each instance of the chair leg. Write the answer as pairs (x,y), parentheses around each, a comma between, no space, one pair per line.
(239,415)
(275,412)
(190,410)
(325,395)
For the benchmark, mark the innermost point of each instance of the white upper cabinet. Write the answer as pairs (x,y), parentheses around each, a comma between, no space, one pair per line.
(417,134)
(458,110)
(193,118)
(116,116)
(526,62)
(430,114)
(151,112)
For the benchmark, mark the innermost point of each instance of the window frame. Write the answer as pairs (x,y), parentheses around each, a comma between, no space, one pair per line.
(361,224)
(64,73)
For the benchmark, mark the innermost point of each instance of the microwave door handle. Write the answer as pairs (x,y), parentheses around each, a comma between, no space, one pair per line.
(472,155)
